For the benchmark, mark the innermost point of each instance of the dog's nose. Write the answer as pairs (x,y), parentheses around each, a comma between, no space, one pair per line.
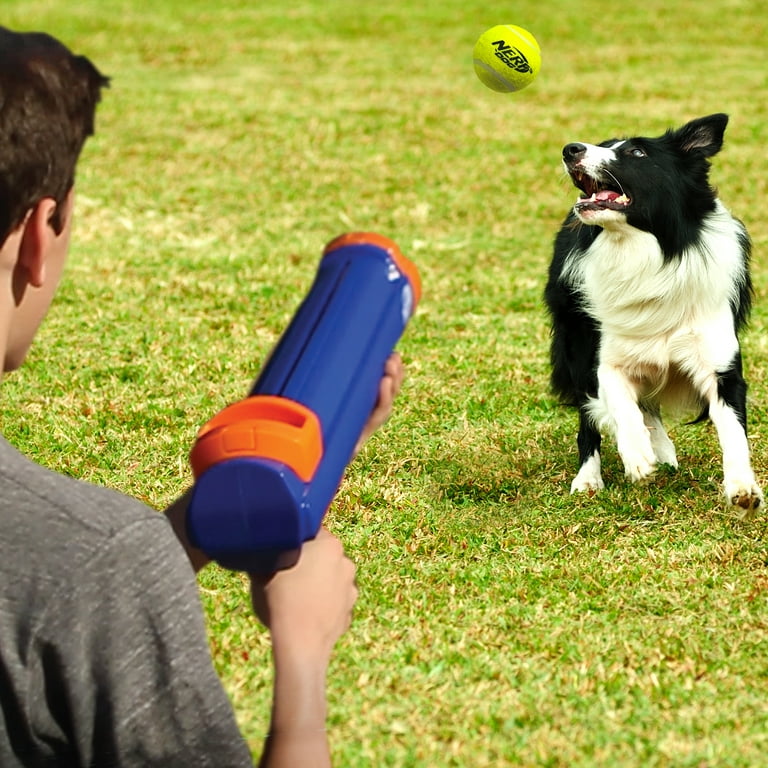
(573,151)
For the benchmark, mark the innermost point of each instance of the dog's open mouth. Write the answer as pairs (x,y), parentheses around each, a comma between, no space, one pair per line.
(598,194)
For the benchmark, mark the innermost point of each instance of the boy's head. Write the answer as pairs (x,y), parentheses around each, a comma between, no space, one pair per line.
(48,99)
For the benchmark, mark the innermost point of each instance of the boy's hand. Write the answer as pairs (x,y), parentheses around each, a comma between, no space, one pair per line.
(391,382)
(308,607)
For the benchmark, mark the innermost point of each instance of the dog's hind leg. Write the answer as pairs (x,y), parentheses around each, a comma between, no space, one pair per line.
(589,477)
(728,412)
(663,447)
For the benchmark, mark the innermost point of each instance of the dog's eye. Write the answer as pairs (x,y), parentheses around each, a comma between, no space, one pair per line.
(637,152)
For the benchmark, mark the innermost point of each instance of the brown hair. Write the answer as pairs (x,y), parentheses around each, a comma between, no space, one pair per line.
(48,99)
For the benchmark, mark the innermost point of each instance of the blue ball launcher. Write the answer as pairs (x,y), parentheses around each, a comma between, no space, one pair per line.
(267,467)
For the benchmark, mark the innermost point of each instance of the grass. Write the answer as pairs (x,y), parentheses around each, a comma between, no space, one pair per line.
(501,620)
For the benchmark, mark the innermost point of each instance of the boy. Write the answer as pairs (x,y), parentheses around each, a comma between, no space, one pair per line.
(104,659)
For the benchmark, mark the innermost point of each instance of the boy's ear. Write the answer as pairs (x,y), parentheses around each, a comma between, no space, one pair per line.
(36,239)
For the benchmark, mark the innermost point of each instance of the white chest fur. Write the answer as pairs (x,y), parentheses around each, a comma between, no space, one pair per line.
(626,283)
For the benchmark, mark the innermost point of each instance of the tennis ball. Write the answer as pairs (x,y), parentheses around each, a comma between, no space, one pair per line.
(507,58)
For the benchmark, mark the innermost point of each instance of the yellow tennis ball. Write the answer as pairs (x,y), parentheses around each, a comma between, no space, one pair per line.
(507,58)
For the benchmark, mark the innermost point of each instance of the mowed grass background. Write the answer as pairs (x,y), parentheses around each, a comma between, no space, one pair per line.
(501,621)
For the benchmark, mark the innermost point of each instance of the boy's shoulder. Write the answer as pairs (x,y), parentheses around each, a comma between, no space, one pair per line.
(45,516)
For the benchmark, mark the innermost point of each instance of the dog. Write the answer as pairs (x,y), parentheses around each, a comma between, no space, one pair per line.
(648,290)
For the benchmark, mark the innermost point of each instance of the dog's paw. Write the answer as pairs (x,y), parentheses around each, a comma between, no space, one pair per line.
(665,453)
(637,455)
(583,485)
(663,447)
(743,498)
(589,479)
(640,469)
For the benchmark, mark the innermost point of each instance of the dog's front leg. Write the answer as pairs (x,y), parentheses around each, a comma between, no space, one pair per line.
(616,410)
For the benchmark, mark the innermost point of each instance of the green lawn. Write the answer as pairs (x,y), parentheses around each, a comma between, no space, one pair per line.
(501,622)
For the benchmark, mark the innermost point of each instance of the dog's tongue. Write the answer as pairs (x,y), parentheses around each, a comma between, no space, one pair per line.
(603,196)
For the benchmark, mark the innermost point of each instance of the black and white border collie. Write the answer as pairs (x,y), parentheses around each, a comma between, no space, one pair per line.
(648,289)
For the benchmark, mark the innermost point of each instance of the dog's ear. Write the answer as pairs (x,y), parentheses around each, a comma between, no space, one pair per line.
(704,135)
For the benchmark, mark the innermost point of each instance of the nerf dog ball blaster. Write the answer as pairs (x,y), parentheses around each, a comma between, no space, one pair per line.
(267,467)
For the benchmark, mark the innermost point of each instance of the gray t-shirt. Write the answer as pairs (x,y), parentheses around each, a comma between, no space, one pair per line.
(104,658)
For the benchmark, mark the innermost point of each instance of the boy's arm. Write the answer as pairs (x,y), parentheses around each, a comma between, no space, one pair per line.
(306,608)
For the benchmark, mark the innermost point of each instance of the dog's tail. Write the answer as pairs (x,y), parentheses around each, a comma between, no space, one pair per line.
(703,416)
